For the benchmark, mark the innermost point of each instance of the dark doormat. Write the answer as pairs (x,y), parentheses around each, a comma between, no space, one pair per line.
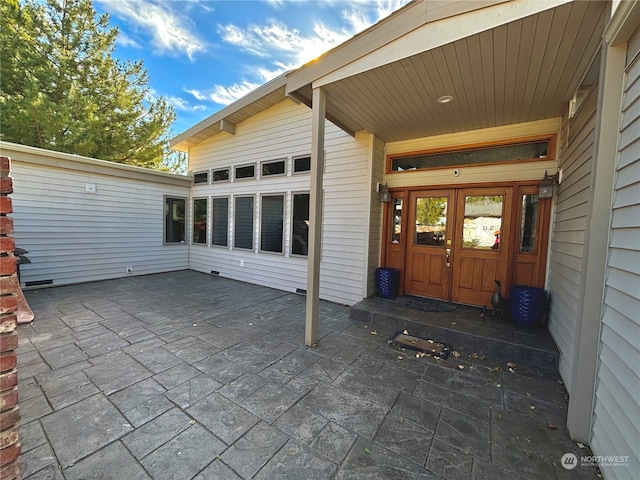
(426,304)
(424,345)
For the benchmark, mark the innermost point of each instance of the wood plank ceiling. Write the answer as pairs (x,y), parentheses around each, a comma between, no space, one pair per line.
(523,71)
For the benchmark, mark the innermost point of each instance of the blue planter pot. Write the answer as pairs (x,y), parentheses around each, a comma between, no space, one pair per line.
(528,305)
(387,282)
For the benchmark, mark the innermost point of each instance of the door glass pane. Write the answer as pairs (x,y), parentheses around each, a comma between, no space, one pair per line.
(397,221)
(482,221)
(431,221)
(528,223)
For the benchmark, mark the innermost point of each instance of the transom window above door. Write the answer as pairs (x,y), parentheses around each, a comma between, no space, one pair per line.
(533,150)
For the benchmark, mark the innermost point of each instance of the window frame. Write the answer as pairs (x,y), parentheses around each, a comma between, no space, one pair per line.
(164,219)
(200,172)
(235,172)
(551,140)
(213,171)
(292,220)
(283,217)
(293,166)
(206,221)
(253,223)
(267,162)
(212,236)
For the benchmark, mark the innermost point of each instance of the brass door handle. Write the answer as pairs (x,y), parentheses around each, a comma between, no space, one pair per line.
(448,254)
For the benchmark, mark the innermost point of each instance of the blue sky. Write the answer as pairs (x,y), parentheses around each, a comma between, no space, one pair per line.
(203,54)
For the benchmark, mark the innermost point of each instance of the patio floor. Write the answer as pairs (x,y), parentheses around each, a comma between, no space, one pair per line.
(185,375)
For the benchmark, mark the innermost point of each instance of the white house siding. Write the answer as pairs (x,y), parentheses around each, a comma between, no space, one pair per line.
(569,226)
(616,428)
(284,131)
(73,236)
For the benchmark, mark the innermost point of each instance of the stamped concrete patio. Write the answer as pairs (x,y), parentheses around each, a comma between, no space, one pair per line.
(185,375)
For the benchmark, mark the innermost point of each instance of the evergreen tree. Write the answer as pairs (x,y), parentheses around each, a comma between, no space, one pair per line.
(62,89)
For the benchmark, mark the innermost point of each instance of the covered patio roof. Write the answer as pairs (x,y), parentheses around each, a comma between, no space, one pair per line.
(502,62)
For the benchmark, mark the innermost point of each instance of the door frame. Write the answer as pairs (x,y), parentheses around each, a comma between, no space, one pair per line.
(393,255)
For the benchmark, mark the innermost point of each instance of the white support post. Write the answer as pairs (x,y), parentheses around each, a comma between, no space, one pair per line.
(318,110)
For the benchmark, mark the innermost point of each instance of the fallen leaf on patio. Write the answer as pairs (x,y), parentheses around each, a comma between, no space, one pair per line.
(580,445)
(560,382)
(374,332)
(179,453)
(366,326)
(400,357)
(367,450)
(461,367)
(551,425)
(496,369)
(430,341)
(195,324)
(511,365)
(527,439)
(512,370)
(453,323)
(401,419)
(533,407)
(192,422)
(482,315)
(406,332)
(420,354)
(498,385)
(455,354)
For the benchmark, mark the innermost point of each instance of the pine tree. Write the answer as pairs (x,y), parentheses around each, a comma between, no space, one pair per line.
(62,89)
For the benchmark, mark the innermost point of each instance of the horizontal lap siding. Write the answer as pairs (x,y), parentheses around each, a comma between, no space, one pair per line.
(617,399)
(73,236)
(284,131)
(569,228)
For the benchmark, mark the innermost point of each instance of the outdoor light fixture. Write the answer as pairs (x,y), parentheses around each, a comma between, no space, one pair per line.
(445,99)
(545,187)
(384,193)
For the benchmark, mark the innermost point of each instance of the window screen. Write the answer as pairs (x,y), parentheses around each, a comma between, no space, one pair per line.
(243,220)
(271,224)
(219,221)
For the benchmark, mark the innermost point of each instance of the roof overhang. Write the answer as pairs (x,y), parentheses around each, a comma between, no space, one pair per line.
(226,119)
(502,62)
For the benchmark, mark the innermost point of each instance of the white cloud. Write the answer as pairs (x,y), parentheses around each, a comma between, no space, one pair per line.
(126,41)
(183,105)
(171,31)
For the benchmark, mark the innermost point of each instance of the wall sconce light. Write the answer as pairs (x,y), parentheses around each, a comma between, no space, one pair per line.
(546,185)
(383,193)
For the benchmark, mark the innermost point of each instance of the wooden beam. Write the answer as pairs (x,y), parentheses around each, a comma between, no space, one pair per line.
(227,126)
(315,216)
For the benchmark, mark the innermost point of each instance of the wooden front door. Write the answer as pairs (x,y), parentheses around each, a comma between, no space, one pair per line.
(457,243)
(430,230)
(481,243)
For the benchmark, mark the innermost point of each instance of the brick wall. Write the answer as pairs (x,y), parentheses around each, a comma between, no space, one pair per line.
(9,287)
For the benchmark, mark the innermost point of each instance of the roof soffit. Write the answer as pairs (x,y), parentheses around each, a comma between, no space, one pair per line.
(439,33)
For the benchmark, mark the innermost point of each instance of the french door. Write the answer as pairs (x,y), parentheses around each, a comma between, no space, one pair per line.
(457,243)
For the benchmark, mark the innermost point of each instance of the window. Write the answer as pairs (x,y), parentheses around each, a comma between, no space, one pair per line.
(302,164)
(482,221)
(528,223)
(300,224)
(534,150)
(271,223)
(243,223)
(174,225)
(200,221)
(245,171)
(219,221)
(277,167)
(201,177)
(220,175)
